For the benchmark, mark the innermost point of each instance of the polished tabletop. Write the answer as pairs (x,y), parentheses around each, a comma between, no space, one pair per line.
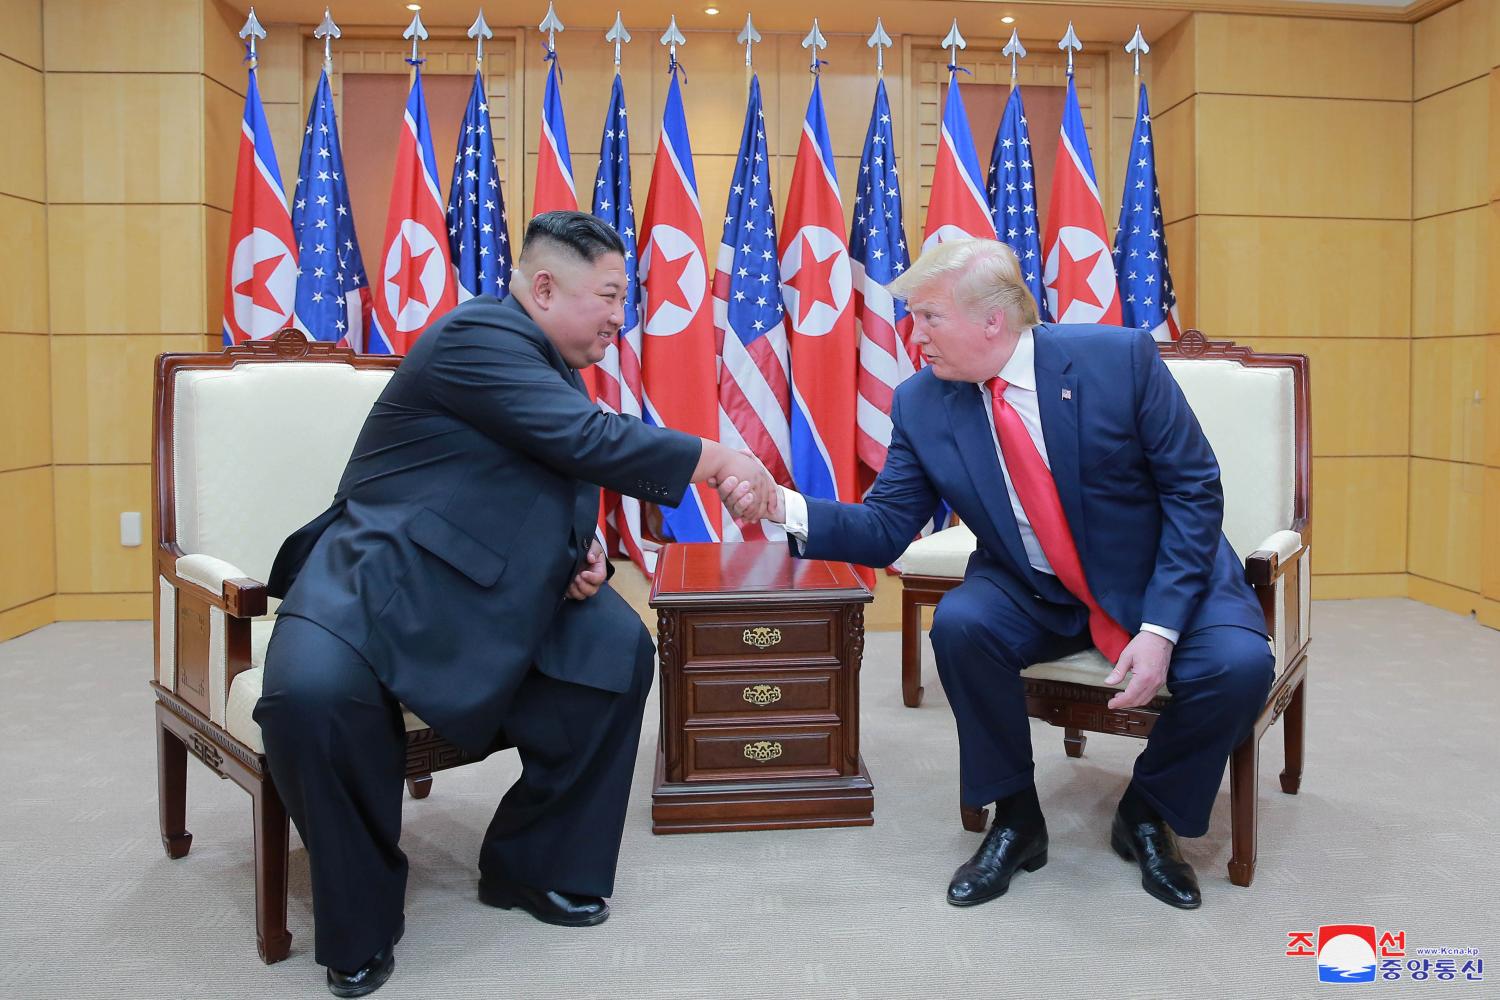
(750,571)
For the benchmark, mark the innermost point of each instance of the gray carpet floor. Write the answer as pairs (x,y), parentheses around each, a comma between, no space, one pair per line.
(1395,826)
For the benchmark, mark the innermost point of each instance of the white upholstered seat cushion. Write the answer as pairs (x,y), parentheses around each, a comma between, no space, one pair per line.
(942,553)
(1086,667)
(244,692)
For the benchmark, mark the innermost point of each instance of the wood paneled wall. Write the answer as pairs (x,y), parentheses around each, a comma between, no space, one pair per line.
(28,577)
(1283,152)
(1453,536)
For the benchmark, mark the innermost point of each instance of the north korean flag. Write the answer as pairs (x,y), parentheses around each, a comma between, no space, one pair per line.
(956,206)
(417,282)
(1079,275)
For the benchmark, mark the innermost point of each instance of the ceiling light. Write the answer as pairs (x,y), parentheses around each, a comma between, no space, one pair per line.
(1007,19)
(413,6)
(710,10)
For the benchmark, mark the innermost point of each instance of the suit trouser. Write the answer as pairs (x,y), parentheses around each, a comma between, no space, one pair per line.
(1219,677)
(335,745)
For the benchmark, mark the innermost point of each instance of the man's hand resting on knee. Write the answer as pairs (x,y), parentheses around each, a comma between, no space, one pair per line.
(1145,659)
(591,577)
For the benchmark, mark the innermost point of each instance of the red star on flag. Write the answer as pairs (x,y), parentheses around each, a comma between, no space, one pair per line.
(256,285)
(1073,280)
(666,274)
(408,276)
(813,280)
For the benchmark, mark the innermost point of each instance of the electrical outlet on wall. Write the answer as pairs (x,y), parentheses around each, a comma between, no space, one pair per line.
(130,528)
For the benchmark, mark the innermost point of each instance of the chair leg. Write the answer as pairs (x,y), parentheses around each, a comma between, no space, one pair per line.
(911,651)
(1294,721)
(1244,766)
(974,818)
(272,837)
(171,792)
(1074,741)
(420,787)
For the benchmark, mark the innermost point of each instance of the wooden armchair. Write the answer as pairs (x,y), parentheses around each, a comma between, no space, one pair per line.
(1254,409)
(248,445)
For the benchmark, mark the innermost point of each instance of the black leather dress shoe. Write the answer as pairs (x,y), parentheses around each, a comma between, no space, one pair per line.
(368,977)
(1007,848)
(1149,842)
(549,906)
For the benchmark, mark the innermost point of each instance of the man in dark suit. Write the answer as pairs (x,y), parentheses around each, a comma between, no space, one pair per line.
(1073,456)
(456,573)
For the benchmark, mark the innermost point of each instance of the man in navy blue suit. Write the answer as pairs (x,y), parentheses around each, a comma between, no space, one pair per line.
(457,573)
(1072,454)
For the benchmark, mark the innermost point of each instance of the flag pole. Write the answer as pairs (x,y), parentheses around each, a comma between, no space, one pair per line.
(815,41)
(672,38)
(415,31)
(479,31)
(879,41)
(619,36)
(747,37)
(250,32)
(1017,52)
(327,31)
(1070,44)
(1137,47)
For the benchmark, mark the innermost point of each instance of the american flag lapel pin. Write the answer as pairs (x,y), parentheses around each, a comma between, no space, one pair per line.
(1067,394)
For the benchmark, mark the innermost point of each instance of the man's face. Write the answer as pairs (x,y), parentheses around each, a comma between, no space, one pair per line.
(583,307)
(958,346)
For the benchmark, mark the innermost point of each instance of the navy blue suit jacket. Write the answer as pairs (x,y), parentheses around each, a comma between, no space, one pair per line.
(1137,479)
(465,511)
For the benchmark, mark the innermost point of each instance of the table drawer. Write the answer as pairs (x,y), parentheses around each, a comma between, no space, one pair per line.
(760,695)
(808,636)
(748,753)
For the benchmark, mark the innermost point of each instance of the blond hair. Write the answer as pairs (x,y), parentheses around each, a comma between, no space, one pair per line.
(986,278)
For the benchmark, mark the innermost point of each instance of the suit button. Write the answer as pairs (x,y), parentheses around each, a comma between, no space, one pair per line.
(1036,597)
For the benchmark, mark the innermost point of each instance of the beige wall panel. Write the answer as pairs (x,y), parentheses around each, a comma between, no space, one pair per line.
(90,558)
(1451,151)
(1182,256)
(1331,158)
(23,262)
(848,85)
(1450,294)
(124,137)
(223,112)
(25,412)
(278,70)
(215,262)
(1446,522)
(126,268)
(1358,586)
(1359,514)
(102,607)
(1174,69)
(224,53)
(1447,398)
(1265,277)
(1177,160)
(1493,127)
(287,122)
(1452,46)
(21,31)
(1454,600)
(1361,392)
(22,163)
(27,570)
(101,396)
(1303,57)
(141,36)
(1489,572)
(27,618)
(1492,402)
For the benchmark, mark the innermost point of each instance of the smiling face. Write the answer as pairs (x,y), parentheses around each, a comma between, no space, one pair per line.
(959,345)
(580,305)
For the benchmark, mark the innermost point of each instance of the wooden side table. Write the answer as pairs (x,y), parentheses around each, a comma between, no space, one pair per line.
(760,658)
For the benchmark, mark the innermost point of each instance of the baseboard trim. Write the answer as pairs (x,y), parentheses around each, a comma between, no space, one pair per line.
(27,617)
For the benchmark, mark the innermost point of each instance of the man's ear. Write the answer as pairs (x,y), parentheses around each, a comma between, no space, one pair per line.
(543,287)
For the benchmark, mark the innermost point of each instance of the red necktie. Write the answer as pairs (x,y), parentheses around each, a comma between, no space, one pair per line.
(1038,495)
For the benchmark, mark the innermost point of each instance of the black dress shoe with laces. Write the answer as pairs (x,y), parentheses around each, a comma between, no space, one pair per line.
(1017,841)
(565,909)
(368,977)
(1138,834)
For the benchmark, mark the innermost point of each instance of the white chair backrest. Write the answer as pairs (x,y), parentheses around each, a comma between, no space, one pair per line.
(258,451)
(1249,416)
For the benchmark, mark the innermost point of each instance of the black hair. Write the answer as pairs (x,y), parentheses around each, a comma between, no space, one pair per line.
(586,236)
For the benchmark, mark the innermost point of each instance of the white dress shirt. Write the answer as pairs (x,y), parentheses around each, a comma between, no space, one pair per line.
(1019,373)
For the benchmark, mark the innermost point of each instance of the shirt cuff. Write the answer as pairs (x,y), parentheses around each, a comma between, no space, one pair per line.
(1169,634)
(794,505)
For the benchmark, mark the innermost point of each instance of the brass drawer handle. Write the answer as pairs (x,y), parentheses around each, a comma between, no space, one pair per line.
(762,694)
(763,750)
(762,636)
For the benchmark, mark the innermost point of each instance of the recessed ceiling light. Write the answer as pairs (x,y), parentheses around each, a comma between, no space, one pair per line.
(1007,19)
(413,6)
(710,10)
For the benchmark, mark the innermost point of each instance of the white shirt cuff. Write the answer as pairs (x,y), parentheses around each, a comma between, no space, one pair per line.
(794,505)
(1169,634)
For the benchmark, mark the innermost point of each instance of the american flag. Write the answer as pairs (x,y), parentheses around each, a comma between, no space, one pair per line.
(620,371)
(877,255)
(754,393)
(1012,193)
(477,235)
(1147,299)
(333,294)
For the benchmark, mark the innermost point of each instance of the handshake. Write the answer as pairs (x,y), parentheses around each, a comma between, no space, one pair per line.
(745,486)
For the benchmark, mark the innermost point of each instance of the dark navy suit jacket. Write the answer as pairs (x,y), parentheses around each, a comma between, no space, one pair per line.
(1137,479)
(464,513)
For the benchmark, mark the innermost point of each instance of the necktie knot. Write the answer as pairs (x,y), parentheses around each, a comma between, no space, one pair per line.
(997,386)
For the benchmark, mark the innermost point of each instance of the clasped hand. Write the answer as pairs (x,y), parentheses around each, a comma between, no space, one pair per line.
(747,490)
